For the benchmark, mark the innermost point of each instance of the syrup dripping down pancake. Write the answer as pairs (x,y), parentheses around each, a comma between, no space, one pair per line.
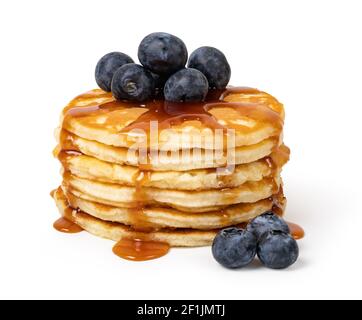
(93,169)
(184,160)
(162,217)
(254,115)
(191,201)
(116,231)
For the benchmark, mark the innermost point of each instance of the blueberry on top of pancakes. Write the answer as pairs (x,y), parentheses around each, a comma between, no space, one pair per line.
(213,64)
(162,53)
(107,66)
(162,73)
(186,85)
(133,82)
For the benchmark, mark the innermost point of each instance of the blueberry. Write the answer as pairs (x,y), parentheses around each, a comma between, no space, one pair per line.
(277,250)
(162,53)
(107,66)
(132,82)
(159,80)
(265,223)
(186,85)
(234,248)
(213,64)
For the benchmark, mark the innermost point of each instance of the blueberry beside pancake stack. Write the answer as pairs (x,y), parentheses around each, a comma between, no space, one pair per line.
(167,154)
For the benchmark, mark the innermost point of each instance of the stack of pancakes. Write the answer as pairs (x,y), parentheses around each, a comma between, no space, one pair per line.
(115,190)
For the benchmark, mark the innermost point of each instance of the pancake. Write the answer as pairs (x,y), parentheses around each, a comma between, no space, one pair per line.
(91,168)
(196,201)
(254,115)
(117,231)
(123,180)
(157,217)
(168,161)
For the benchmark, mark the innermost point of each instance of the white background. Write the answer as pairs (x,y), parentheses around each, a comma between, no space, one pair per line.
(306,53)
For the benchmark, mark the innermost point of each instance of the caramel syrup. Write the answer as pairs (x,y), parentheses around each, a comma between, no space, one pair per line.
(52,193)
(263,109)
(140,250)
(66,226)
(65,223)
(296,231)
(66,145)
(278,202)
(138,219)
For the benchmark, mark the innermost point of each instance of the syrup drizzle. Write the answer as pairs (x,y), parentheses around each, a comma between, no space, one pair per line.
(52,193)
(296,231)
(169,114)
(138,218)
(66,226)
(140,250)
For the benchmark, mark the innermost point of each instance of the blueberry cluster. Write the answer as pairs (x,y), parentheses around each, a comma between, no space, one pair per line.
(163,59)
(267,236)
